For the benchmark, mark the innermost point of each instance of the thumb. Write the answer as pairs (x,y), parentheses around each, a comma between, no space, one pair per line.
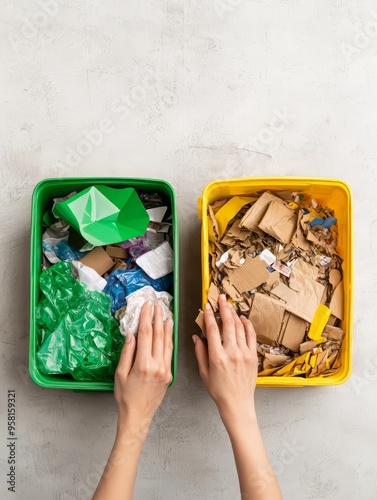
(127,354)
(201,353)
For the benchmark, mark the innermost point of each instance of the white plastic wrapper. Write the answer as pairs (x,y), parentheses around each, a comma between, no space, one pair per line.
(88,276)
(50,238)
(129,323)
(158,262)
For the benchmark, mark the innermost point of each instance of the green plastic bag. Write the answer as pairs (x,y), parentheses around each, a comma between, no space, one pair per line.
(77,334)
(104,215)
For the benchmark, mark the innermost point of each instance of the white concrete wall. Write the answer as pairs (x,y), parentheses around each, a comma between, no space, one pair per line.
(201,85)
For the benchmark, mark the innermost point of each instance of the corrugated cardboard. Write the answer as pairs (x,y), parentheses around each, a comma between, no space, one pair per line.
(117,252)
(250,275)
(274,360)
(307,346)
(279,221)
(294,332)
(98,260)
(200,322)
(237,232)
(266,316)
(299,240)
(230,289)
(335,278)
(308,269)
(272,281)
(336,302)
(255,213)
(304,299)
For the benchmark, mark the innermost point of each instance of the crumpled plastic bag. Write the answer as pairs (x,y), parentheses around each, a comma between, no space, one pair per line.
(122,283)
(129,322)
(77,334)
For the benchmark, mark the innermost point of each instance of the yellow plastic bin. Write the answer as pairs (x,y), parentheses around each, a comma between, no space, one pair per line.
(331,192)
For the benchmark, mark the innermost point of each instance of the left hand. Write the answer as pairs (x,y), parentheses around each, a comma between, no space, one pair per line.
(140,385)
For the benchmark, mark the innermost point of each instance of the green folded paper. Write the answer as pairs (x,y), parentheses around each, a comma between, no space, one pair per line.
(105,215)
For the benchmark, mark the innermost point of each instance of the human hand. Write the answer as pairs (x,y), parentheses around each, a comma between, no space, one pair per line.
(228,370)
(140,385)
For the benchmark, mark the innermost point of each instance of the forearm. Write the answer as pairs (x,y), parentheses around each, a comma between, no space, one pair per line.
(118,478)
(256,476)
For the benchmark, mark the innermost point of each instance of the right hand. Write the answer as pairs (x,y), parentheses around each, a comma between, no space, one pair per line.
(228,369)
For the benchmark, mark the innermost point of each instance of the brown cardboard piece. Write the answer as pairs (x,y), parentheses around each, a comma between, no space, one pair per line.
(307,346)
(294,332)
(266,316)
(98,260)
(255,213)
(119,264)
(200,322)
(336,302)
(237,232)
(306,268)
(213,223)
(335,278)
(304,299)
(230,290)
(299,240)
(272,281)
(250,275)
(274,360)
(279,221)
(117,252)
(333,333)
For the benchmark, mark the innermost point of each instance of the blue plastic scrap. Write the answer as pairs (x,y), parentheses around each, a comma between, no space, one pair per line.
(325,223)
(121,283)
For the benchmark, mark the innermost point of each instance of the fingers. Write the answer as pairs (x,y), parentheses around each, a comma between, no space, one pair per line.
(240,329)
(158,332)
(127,355)
(145,333)
(212,331)
(251,337)
(229,329)
(201,353)
(168,343)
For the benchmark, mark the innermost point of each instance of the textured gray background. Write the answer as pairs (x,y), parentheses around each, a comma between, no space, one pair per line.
(189,90)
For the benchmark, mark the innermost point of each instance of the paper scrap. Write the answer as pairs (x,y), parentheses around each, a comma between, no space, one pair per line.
(157,214)
(267,256)
(158,262)
(129,322)
(88,276)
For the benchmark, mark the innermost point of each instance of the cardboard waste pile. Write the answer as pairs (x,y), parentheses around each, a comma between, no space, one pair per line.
(275,257)
(106,251)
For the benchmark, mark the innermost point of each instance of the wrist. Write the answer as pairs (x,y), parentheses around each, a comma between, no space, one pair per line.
(239,419)
(132,429)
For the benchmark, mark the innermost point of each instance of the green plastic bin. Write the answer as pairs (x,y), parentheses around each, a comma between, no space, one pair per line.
(43,195)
